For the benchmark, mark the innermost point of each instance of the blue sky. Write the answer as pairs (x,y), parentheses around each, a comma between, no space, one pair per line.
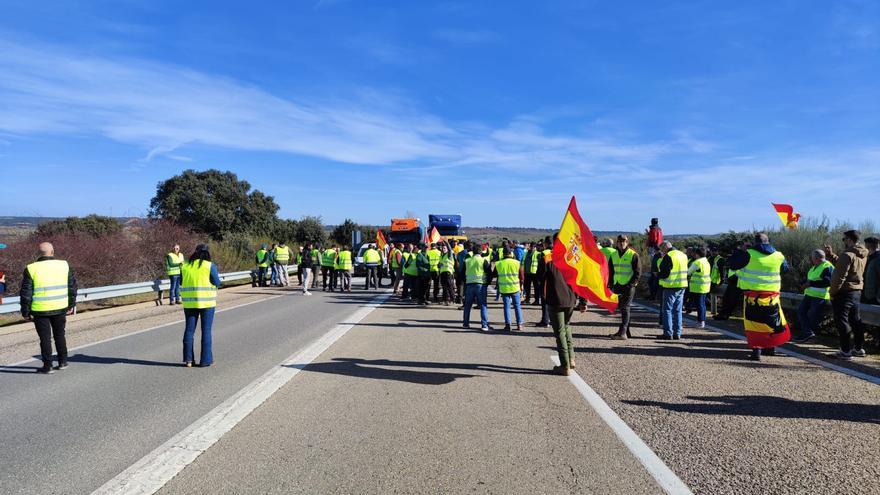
(698,112)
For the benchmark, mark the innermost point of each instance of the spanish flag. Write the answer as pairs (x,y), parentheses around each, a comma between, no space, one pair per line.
(764,320)
(787,215)
(433,236)
(380,240)
(583,266)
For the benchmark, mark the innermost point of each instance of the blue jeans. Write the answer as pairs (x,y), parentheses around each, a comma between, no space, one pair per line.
(514,298)
(475,292)
(810,313)
(192,317)
(174,291)
(273,279)
(673,300)
(699,300)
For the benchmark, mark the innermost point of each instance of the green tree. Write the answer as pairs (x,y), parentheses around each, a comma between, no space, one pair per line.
(92,225)
(310,229)
(285,231)
(342,233)
(214,203)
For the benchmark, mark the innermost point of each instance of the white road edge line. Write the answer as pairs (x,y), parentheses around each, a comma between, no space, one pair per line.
(137,332)
(154,470)
(825,364)
(655,466)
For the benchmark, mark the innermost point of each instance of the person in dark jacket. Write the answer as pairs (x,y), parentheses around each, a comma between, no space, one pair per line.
(846,291)
(542,252)
(48,303)
(305,268)
(871,292)
(561,302)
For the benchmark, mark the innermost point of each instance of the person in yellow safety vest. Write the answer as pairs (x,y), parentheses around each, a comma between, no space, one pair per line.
(700,283)
(530,269)
(410,273)
(447,273)
(673,280)
(433,255)
(261,259)
(624,271)
(510,277)
(817,298)
(47,296)
(457,247)
(173,262)
(345,265)
(328,267)
(607,249)
(282,261)
(717,262)
(372,260)
(395,260)
(199,295)
(759,270)
(476,268)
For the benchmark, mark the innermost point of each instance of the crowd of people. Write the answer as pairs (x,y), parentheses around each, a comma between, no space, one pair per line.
(462,273)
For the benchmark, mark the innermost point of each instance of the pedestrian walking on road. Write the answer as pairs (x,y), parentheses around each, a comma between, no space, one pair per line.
(561,302)
(305,268)
(510,279)
(345,265)
(47,296)
(173,261)
(759,275)
(282,262)
(816,301)
(673,280)
(624,272)
(871,293)
(199,289)
(475,278)
(847,283)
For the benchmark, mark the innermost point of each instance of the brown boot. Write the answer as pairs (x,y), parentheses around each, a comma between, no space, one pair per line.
(560,370)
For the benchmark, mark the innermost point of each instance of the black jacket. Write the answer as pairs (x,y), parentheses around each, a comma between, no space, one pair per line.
(557,292)
(27,293)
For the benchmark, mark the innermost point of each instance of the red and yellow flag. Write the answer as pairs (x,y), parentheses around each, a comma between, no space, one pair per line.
(380,240)
(787,215)
(433,236)
(577,257)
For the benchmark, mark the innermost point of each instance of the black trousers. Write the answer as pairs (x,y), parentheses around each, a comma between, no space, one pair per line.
(261,275)
(459,287)
(409,288)
(326,277)
(435,282)
(528,282)
(625,296)
(732,297)
(848,320)
(448,283)
(49,327)
(424,285)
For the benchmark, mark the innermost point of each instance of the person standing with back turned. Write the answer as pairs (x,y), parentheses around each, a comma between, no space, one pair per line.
(199,290)
(673,280)
(560,301)
(47,296)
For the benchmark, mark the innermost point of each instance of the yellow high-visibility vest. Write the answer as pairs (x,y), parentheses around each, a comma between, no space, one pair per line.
(678,276)
(196,289)
(762,272)
(173,263)
(508,276)
(50,285)
(700,280)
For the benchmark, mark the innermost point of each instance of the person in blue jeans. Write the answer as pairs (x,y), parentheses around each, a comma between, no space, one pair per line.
(476,284)
(816,299)
(199,296)
(673,279)
(173,262)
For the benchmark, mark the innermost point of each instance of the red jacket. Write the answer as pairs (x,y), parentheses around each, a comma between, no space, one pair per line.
(655,237)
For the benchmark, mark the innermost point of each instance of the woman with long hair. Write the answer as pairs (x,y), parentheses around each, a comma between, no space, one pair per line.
(198,290)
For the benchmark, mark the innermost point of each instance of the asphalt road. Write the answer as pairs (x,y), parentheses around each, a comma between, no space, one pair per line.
(72,431)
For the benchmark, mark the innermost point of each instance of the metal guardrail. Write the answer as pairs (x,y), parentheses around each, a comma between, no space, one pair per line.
(12,304)
(870,313)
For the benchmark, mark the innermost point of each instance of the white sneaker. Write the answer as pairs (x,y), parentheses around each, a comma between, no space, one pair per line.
(859,353)
(702,324)
(485,329)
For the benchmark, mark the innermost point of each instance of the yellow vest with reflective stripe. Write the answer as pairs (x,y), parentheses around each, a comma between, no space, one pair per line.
(815,274)
(282,255)
(434,259)
(623,269)
(508,276)
(678,276)
(608,251)
(196,289)
(715,274)
(172,263)
(50,285)
(393,261)
(409,264)
(344,260)
(447,263)
(262,258)
(371,257)
(474,271)
(762,272)
(328,258)
(533,262)
(700,281)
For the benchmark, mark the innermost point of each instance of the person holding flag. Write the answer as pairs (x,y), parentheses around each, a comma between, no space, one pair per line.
(760,267)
